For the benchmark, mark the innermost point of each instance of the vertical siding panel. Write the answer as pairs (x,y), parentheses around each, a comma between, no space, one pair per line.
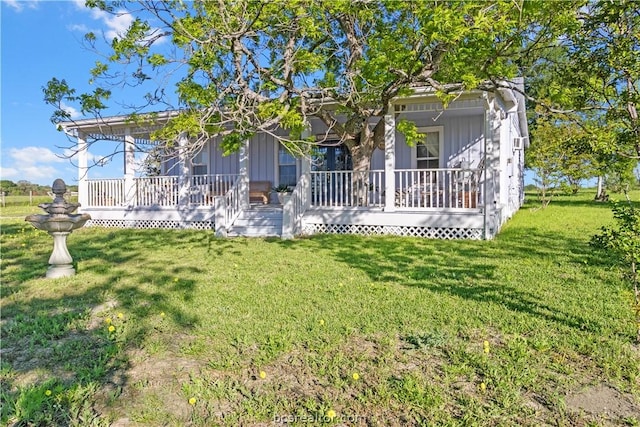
(377,160)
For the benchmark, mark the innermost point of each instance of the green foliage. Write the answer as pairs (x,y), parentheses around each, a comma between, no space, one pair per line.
(590,77)
(410,132)
(282,188)
(623,241)
(245,67)
(624,238)
(559,158)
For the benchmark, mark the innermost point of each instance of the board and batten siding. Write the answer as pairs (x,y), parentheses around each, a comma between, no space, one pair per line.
(220,164)
(262,161)
(463,139)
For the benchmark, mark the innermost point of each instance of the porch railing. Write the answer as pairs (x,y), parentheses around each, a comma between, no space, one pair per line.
(448,188)
(414,189)
(233,206)
(451,188)
(105,192)
(205,187)
(347,188)
(158,190)
(294,209)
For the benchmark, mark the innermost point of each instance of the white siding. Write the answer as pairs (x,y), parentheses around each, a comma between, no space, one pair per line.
(262,161)
(463,138)
(220,164)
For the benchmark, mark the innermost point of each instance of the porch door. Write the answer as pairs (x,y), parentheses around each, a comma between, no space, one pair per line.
(333,186)
(200,185)
(331,158)
(200,162)
(424,187)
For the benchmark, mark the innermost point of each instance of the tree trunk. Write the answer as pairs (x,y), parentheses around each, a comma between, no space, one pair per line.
(601,195)
(361,158)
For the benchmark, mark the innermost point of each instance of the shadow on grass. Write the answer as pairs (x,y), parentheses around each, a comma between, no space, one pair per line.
(585,199)
(62,339)
(472,270)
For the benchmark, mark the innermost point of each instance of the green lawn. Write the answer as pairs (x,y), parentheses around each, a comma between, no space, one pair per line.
(330,329)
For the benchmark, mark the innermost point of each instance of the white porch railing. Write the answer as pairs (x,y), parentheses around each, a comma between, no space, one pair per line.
(452,188)
(156,191)
(105,192)
(233,205)
(347,188)
(159,190)
(227,208)
(294,208)
(205,187)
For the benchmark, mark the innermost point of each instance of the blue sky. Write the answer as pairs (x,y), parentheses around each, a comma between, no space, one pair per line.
(41,40)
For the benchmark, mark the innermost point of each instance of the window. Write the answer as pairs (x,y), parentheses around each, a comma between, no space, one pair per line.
(199,163)
(287,171)
(427,153)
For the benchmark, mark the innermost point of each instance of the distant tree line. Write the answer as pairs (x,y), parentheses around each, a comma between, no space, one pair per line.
(24,188)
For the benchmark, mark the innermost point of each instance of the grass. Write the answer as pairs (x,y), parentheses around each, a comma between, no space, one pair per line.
(180,328)
(21,206)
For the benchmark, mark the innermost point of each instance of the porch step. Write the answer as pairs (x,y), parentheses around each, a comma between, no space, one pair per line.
(260,221)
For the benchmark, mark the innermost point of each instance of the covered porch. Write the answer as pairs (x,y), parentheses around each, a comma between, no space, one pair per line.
(442,202)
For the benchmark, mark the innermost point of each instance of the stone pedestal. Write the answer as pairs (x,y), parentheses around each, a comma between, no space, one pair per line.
(60,261)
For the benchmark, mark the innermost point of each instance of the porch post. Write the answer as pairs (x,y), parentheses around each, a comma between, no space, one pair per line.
(390,160)
(220,209)
(83,171)
(305,171)
(243,159)
(183,171)
(129,171)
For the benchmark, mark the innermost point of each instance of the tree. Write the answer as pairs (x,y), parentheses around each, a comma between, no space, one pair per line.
(623,240)
(247,66)
(560,157)
(591,77)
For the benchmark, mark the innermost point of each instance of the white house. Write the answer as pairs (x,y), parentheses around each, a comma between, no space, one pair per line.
(463,181)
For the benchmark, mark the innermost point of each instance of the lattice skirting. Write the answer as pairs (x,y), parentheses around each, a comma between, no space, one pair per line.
(446,233)
(151,223)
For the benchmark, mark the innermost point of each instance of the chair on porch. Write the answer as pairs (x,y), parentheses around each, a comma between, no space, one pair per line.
(217,188)
(259,191)
(468,185)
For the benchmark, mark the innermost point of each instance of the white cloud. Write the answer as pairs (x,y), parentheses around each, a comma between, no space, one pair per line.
(81,28)
(38,165)
(34,155)
(116,23)
(73,113)
(31,173)
(20,5)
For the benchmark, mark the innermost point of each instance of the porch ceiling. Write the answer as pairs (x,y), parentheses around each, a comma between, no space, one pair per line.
(117,127)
